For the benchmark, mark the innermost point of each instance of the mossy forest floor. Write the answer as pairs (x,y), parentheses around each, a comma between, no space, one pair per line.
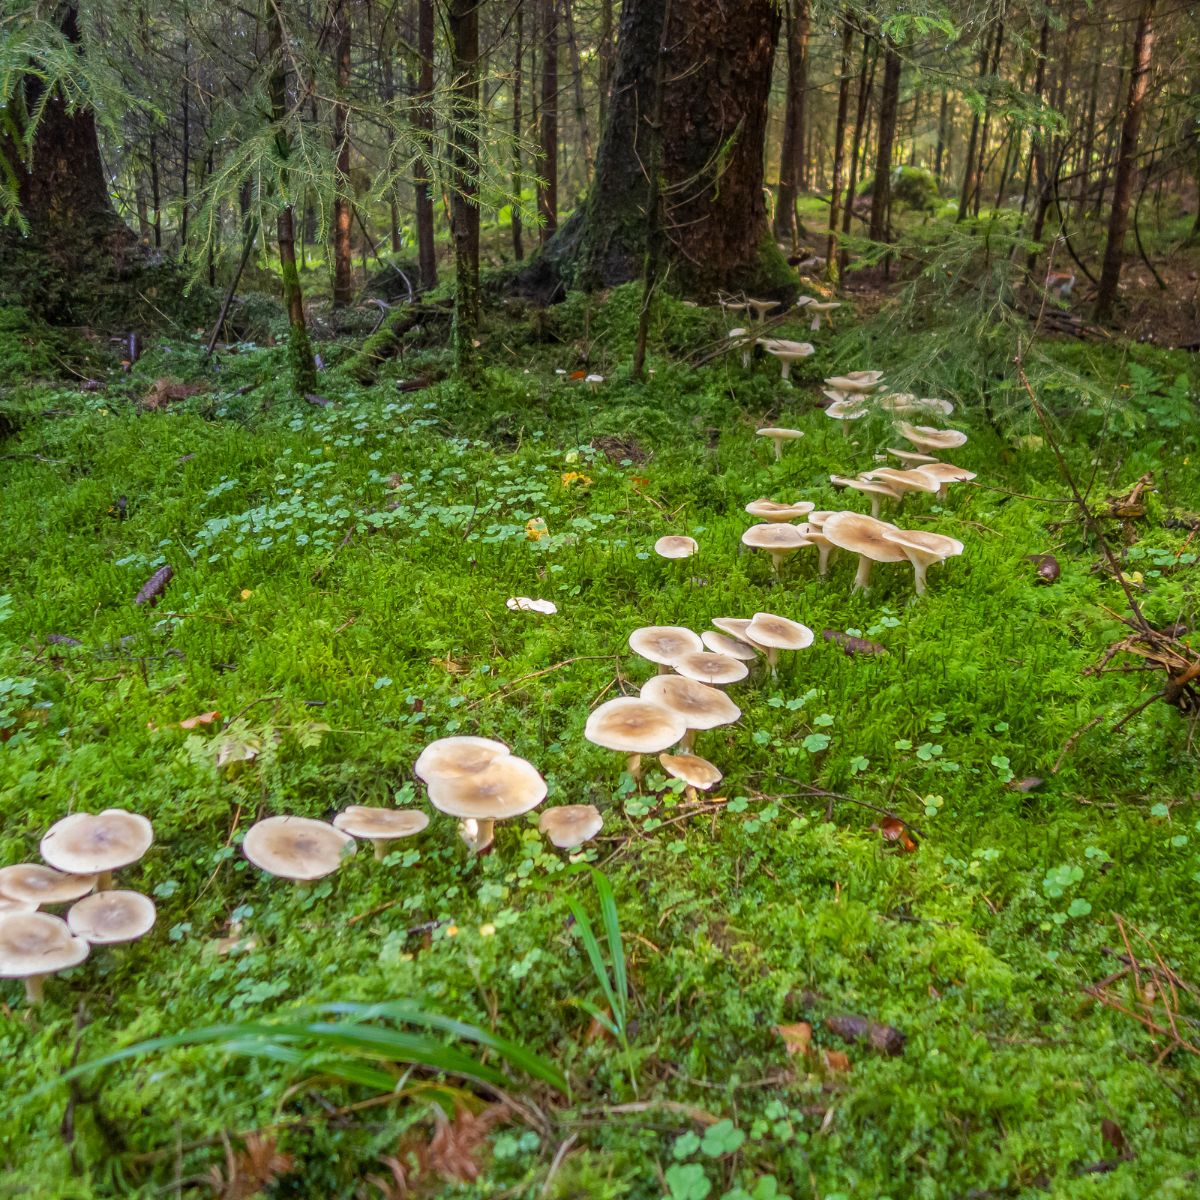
(340,578)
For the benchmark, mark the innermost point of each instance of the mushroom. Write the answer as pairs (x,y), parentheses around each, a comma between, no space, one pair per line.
(111,917)
(8,905)
(570,825)
(779,436)
(452,757)
(734,627)
(845,408)
(912,458)
(676,545)
(923,550)
(769,510)
(505,788)
(778,540)
(525,604)
(35,885)
(635,726)
(99,844)
(902,481)
(944,473)
(760,308)
(787,352)
(719,643)
(856,381)
(382,826)
(663,644)
(696,772)
(819,309)
(747,345)
(815,536)
(863,536)
(711,668)
(925,437)
(35,945)
(876,490)
(732,306)
(296,848)
(594,382)
(778,633)
(700,706)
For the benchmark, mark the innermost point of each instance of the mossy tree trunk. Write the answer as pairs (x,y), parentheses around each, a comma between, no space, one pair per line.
(791,154)
(423,120)
(464,176)
(343,268)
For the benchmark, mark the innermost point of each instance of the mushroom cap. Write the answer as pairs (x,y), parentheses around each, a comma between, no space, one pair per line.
(380,824)
(570,825)
(856,381)
(862,535)
(861,484)
(718,643)
(781,434)
(903,481)
(635,725)
(824,305)
(695,771)
(296,847)
(506,788)
(594,379)
(737,333)
(775,537)
(452,757)
(925,437)
(787,350)
(707,667)
(899,403)
(676,545)
(663,644)
(761,306)
(912,457)
(845,408)
(37,944)
(929,547)
(527,604)
(8,905)
(110,917)
(780,633)
(33,884)
(816,519)
(86,843)
(734,627)
(942,472)
(700,706)
(769,510)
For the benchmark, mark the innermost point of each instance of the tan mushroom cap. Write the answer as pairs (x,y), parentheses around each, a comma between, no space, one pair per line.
(507,788)
(816,519)
(876,489)
(931,545)
(33,884)
(636,724)
(700,706)
(943,472)
(91,844)
(903,481)
(715,669)
(111,917)
(695,771)
(925,437)
(296,847)
(8,905)
(676,545)
(570,825)
(760,308)
(37,944)
(453,757)
(719,643)
(663,644)
(779,633)
(856,381)
(912,457)
(380,824)
(734,627)
(776,537)
(862,535)
(770,510)
(782,435)
(845,408)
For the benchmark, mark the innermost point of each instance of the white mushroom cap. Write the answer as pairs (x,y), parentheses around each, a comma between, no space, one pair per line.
(912,457)
(769,510)
(111,917)
(943,473)
(296,847)
(570,825)
(718,643)
(715,669)
(933,547)
(876,489)
(676,545)
(33,884)
(663,644)
(380,824)
(594,379)
(695,771)
(780,539)
(635,725)
(700,706)
(900,403)
(527,604)
(856,381)
(925,437)
(506,788)
(816,519)
(8,905)
(792,351)
(779,633)
(903,481)
(780,435)
(738,333)
(33,944)
(846,408)
(91,844)
(451,757)
(734,627)
(824,305)
(761,307)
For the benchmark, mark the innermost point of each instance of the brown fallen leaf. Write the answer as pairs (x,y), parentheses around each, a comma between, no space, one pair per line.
(204,718)
(884,1038)
(797,1038)
(837,1061)
(153,587)
(852,645)
(1047,566)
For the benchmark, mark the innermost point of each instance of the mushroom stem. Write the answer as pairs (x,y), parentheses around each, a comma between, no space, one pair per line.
(816,323)
(34,988)
(786,374)
(633,764)
(382,850)
(876,500)
(778,448)
(862,578)
(104,881)
(919,566)
(824,554)
(773,659)
(776,562)
(688,741)
(478,834)
(746,359)
(663,669)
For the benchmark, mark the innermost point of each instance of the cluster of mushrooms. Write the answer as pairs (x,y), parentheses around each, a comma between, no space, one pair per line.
(743,339)
(82,852)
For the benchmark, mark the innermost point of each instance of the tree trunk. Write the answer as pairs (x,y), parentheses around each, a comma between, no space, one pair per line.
(981,165)
(581,119)
(839,139)
(1139,80)
(464,175)
(423,119)
(791,156)
(605,53)
(343,267)
(940,152)
(547,192)
(889,99)
(964,199)
(866,83)
(517,182)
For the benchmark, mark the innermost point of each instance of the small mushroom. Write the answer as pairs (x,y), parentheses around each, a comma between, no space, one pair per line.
(108,918)
(526,604)
(663,644)
(297,848)
(741,337)
(453,757)
(819,309)
(825,548)
(594,382)
(97,844)
(856,381)
(717,670)
(877,490)
(34,946)
(777,540)
(912,458)
(33,884)
(925,437)
(760,308)
(635,726)
(695,771)
(381,826)
(779,436)
(778,633)
(787,353)
(903,482)
(719,643)
(945,474)
(769,510)
(846,408)
(700,706)
(863,536)
(507,787)
(570,825)
(676,545)
(734,627)
(923,550)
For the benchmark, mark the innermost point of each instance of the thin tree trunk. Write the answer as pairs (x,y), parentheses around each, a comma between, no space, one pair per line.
(1089,140)
(940,151)
(791,156)
(1139,81)
(981,166)
(464,176)
(155,193)
(547,197)
(889,98)
(605,53)
(866,84)
(343,266)
(839,138)
(389,93)
(518,182)
(581,119)
(423,119)
(185,167)
(968,178)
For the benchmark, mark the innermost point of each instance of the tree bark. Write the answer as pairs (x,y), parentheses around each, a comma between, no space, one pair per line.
(1139,81)
(981,164)
(547,192)
(839,139)
(866,83)
(791,156)
(518,182)
(464,176)
(343,267)
(889,100)
(968,179)
(423,120)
